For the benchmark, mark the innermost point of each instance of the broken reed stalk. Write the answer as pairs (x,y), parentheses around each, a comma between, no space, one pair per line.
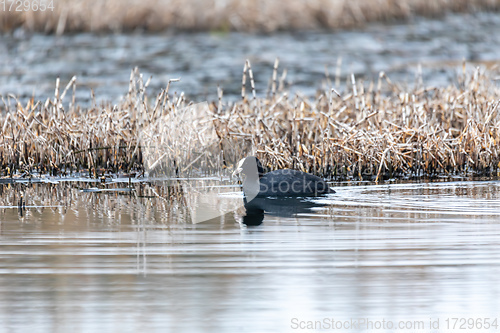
(360,134)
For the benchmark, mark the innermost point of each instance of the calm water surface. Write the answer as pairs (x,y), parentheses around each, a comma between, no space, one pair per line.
(131,261)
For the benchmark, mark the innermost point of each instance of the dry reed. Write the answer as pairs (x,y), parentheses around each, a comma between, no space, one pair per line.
(359,134)
(247,15)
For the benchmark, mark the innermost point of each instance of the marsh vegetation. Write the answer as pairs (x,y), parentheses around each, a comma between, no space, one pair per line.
(363,133)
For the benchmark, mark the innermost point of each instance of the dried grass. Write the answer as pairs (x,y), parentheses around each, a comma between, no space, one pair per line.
(360,134)
(247,15)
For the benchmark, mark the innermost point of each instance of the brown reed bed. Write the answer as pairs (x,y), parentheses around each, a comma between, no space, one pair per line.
(370,131)
(247,15)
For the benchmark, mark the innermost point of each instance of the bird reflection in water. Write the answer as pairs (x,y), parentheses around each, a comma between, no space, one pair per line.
(278,206)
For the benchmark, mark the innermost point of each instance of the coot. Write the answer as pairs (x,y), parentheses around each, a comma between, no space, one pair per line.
(279,183)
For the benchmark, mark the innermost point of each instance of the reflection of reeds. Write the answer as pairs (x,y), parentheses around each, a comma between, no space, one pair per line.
(265,15)
(360,134)
(114,203)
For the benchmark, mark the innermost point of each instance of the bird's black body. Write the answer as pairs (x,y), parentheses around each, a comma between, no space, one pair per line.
(280,183)
(288,182)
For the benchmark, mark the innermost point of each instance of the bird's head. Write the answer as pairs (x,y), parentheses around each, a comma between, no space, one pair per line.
(249,166)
